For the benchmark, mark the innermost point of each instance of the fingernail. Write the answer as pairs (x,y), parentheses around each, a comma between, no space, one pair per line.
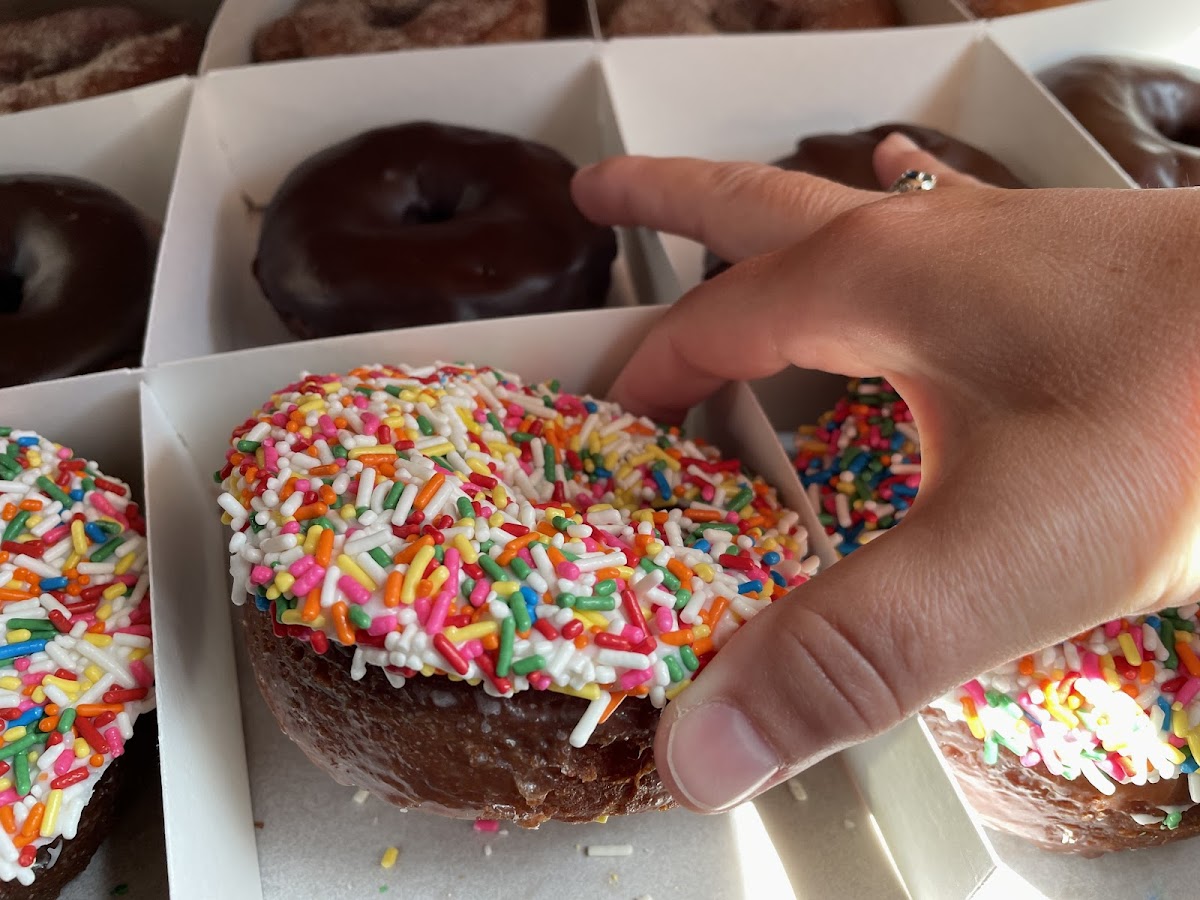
(898,141)
(717,757)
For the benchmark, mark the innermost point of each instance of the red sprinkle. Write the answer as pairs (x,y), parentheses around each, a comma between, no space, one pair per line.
(450,653)
(73,777)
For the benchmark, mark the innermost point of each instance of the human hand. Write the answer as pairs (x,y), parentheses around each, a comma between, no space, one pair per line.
(1045,342)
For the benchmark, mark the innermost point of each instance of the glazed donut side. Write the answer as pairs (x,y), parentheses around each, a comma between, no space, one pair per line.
(77,263)
(425,223)
(338,27)
(1146,115)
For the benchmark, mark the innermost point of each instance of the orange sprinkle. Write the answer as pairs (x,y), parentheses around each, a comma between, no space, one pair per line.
(1130,690)
(613,703)
(312,606)
(52,709)
(513,547)
(9,594)
(1146,672)
(391,588)
(324,548)
(311,511)
(704,515)
(326,493)
(580,641)
(9,512)
(30,505)
(48,723)
(702,646)
(680,571)
(33,821)
(406,555)
(713,614)
(1025,666)
(374,460)
(8,820)
(322,471)
(89,710)
(96,760)
(607,573)
(341,626)
(556,557)
(677,638)
(428,489)
(1186,656)
(490,642)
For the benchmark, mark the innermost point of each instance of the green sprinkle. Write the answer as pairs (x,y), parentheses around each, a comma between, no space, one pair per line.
(520,611)
(566,601)
(520,437)
(107,549)
(392,500)
(5,431)
(465,509)
(468,585)
(65,721)
(688,655)
(88,483)
(425,425)
(520,568)
(109,528)
(1171,822)
(248,446)
(492,567)
(596,603)
(670,582)
(323,522)
(359,616)
(740,499)
(528,664)
(508,631)
(495,423)
(392,389)
(340,452)
(380,556)
(548,461)
(605,587)
(991,750)
(682,597)
(21,772)
(561,523)
(716,526)
(31,624)
(17,525)
(486,547)
(674,668)
(439,552)
(17,748)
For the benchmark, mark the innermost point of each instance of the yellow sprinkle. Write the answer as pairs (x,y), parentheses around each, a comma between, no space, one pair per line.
(705,571)
(351,568)
(372,451)
(498,449)
(653,548)
(139,652)
(551,513)
(478,467)
(284,581)
(19,634)
(471,632)
(408,591)
(591,618)
(103,611)
(591,692)
(674,690)
(495,520)
(701,631)
(623,473)
(113,591)
(1125,639)
(5,783)
(599,507)
(977,729)
(93,673)
(427,671)
(305,432)
(99,640)
(348,512)
(38,695)
(437,579)
(78,538)
(394,422)
(600,820)
(672,462)
(311,538)
(506,588)
(14,734)
(500,495)
(437,449)
(10,683)
(50,814)
(1176,755)
(640,460)
(74,559)
(273,593)
(226,518)
(625,572)
(331,386)
(390,855)
(312,405)
(64,684)
(81,748)
(291,617)
(124,563)
(465,550)
(470,424)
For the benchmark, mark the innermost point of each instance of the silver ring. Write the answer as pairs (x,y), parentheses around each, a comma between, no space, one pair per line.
(914,180)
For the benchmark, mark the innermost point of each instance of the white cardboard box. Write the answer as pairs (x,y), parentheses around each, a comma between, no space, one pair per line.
(249,127)
(1159,30)
(97,417)
(214,788)
(735,98)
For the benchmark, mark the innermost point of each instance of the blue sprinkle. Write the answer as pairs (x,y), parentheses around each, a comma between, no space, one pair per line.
(749,586)
(602,473)
(1166,708)
(1188,766)
(664,489)
(28,717)
(590,406)
(529,595)
(95,532)
(54,584)
(76,495)
(778,579)
(702,545)
(858,463)
(27,441)
(261,602)
(23,648)
(1154,622)
(847,548)
(904,490)
(771,558)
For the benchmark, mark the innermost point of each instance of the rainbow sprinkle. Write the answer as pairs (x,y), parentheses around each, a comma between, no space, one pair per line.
(449,520)
(861,463)
(76,668)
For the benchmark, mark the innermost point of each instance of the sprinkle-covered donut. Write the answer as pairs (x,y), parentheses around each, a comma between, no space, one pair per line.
(76,272)
(336,27)
(76,673)
(651,17)
(80,53)
(423,223)
(476,585)
(1145,114)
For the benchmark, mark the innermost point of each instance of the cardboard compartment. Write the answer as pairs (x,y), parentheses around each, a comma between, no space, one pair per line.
(1158,30)
(912,12)
(128,142)
(97,417)
(752,98)
(248,128)
(227,766)
(231,39)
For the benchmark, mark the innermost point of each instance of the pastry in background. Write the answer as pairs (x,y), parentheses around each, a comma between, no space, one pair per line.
(76,274)
(1145,114)
(88,51)
(620,18)
(991,9)
(422,223)
(338,27)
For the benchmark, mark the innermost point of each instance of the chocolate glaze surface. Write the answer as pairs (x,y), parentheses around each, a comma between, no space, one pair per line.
(76,271)
(1054,813)
(447,746)
(423,223)
(1146,115)
(847,159)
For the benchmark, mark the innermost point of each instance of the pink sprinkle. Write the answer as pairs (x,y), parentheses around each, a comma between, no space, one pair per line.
(1188,691)
(423,608)
(731,517)
(141,630)
(590,545)
(382,625)
(567,569)
(271,459)
(471,649)
(352,589)
(633,678)
(302,485)
(302,565)
(292,527)
(525,557)
(633,634)
(261,575)
(437,613)
(1031,759)
(479,592)
(309,580)
(664,618)
(1176,741)
(1091,665)
(142,673)
(22,663)
(116,743)
(7,797)
(54,535)
(1112,629)
(975,689)
(487,826)
(540,681)
(33,677)
(65,453)
(370,423)
(62,765)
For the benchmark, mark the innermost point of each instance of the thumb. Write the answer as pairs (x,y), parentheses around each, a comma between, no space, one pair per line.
(898,153)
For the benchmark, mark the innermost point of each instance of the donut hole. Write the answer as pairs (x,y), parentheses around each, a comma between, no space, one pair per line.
(434,207)
(395,15)
(1186,133)
(12,292)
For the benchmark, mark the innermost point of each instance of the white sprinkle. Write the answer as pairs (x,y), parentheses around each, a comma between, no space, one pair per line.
(610,850)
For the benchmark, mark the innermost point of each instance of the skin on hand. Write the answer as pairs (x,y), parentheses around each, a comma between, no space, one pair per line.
(1046,343)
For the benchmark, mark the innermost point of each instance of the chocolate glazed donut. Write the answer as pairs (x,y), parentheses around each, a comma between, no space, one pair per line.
(1147,116)
(847,159)
(424,223)
(448,747)
(76,271)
